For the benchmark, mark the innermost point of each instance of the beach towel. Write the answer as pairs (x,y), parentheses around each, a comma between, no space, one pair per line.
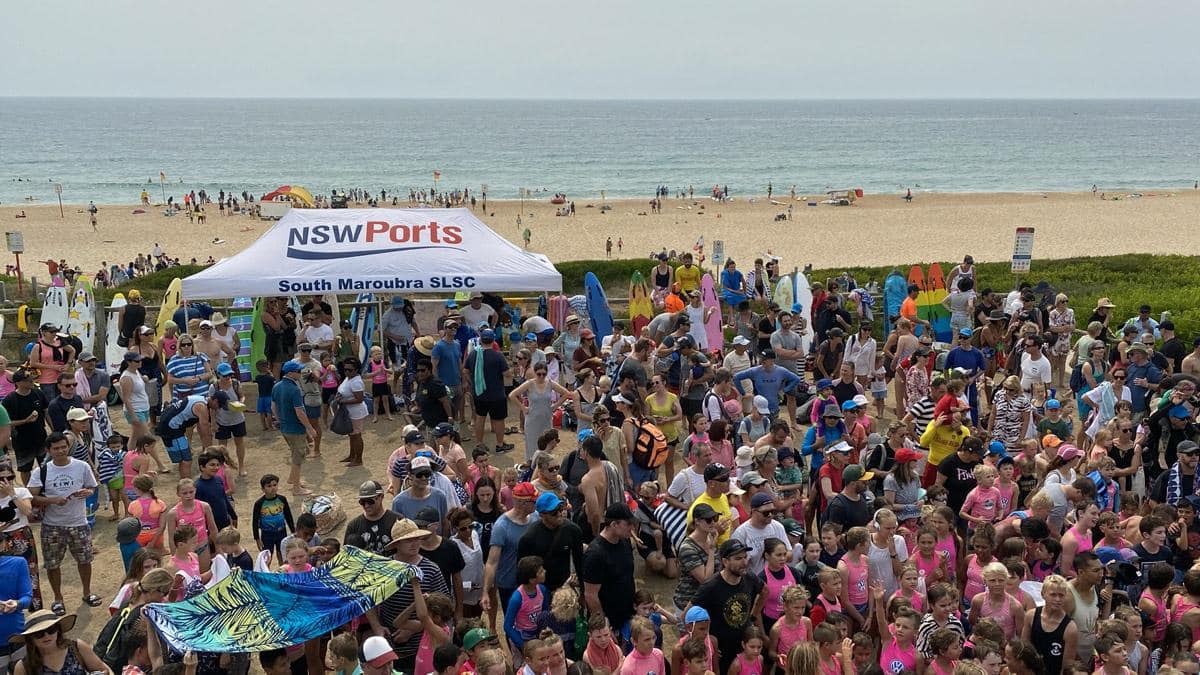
(256,611)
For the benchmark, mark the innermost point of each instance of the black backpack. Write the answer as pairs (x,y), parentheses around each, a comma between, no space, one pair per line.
(110,643)
(1078,382)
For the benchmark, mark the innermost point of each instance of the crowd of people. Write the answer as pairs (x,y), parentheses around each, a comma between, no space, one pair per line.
(1026,504)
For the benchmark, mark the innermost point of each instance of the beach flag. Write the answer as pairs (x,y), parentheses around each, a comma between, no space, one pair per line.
(162,177)
(437,175)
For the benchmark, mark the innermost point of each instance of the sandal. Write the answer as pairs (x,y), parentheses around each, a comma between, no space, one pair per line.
(58,609)
(93,600)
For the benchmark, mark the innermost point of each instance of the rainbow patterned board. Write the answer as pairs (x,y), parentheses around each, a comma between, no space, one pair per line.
(916,277)
(241,319)
(939,316)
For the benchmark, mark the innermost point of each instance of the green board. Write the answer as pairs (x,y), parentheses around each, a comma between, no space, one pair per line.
(258,336)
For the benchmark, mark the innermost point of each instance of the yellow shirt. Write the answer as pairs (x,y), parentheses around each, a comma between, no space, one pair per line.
(723,509)
(942,441)
(670,429)
(688,278)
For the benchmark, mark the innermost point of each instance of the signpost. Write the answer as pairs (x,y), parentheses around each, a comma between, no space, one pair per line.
(718,252)
(58,191)
(1022,250)
(16,245)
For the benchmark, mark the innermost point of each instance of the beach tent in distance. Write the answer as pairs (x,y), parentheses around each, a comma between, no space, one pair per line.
(352,251)
(294,192)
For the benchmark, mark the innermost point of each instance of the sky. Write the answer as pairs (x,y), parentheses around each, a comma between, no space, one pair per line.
(617,49)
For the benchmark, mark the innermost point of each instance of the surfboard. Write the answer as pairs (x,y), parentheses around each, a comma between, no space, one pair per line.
(241,319)
(916,277)
(113,352)
(804,298)
(895,289)
(23,318)
(785,294)
(939,316)
(170,302)
(258,336)
(81,319)
(712,326)
(334,309)
(641,309)
(55,306)
(362,319)
(543,306)
(599,313)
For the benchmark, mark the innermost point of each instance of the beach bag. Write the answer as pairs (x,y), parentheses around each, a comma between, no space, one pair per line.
(113,399)
(110,643)
(650,448)
(340,424)
(327,509)
(1078,382)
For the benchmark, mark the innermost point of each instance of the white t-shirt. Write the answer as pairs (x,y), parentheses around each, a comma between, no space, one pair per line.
(753,538)
(686,486)
(62,481)
(607,342)
(737,363)
(473,317)
(347,389)
(315,335)
(21,521)
(1034,370)
(880,562)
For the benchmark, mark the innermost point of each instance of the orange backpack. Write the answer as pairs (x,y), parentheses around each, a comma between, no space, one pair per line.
(649,446)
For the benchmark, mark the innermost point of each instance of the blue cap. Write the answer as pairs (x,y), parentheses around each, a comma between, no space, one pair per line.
(695,614)
(532,337)
(1180,411)
(451,304)
(397,301)
(584,434)
(1053,404)
(825,383)
(996,448)
(487,335)
(224,369)
(965,332)
(514,336)
(292,366)
(547,503)
(849,405)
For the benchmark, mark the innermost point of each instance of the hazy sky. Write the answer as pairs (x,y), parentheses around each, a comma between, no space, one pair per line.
(611,49)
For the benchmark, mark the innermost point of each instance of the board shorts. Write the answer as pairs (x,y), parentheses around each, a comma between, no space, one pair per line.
(298,445)
(640,475)
(312,412)
(263,405)
(142,416)
(327,394)
(179,450)
(493,410)
(234,431)
(56,541)
(116,483)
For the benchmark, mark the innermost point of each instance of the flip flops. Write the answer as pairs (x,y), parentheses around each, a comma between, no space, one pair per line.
(93,600)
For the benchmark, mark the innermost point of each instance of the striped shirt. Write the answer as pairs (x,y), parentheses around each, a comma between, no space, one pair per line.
(109,464)
(922,412)
(188,366)
(927,628)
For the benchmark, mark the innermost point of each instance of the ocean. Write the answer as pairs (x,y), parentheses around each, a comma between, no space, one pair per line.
(106,149)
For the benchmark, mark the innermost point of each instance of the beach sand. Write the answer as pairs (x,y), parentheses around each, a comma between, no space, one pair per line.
(876,230)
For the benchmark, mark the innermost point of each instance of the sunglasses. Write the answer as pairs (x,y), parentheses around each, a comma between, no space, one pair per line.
(554,468)
(468,526)
(39,634)
(185,344)
(423,475)
(68,385)
(600,420)
(1118,377)
(8,477)
(367,501)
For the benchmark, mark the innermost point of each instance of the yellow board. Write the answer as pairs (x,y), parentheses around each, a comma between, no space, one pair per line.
(22,318)
(170,302)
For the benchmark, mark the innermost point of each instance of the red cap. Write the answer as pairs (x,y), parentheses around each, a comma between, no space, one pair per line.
(907,455)
(524,491)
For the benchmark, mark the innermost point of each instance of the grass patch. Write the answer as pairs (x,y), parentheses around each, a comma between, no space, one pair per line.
(1165,282)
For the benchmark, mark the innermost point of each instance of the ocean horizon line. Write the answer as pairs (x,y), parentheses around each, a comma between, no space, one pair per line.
(834,99)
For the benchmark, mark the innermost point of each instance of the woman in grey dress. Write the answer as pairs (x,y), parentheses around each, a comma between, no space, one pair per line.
(536,398)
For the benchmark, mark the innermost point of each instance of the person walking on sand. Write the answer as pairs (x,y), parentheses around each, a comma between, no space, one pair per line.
(608,248)
(93,219)
(526,236)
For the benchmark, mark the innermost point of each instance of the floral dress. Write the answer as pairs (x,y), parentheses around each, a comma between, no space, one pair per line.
(1057,320)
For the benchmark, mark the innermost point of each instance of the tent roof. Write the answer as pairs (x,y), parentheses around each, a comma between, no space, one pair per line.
(351,251)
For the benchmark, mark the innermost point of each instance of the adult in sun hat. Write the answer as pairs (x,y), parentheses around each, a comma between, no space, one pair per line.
(47,644)
(1104,314)
(405,546)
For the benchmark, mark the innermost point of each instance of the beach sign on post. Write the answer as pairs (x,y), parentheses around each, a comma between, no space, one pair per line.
(718,253)
(1022,250)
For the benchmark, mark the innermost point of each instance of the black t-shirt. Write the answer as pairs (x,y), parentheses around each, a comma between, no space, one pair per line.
(135,317)
(765,325)
(371,535)
(848,512)
(1174,350)
(730,607)
(448,558)
(1146,559)
(486,521)
(611,566)
(558,548)
(27,439)
(57,411)
(959,480)
(429,399)
(494,365)
(1158,492)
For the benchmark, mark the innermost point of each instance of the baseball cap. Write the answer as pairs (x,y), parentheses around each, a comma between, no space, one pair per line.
(524,490)
(585,434)
(856,472)
(224,369)
(841,446)
(786,453)
(860,401)
(849,405)
(617,511)
(86,356)
(732,547)
(740,341)
(703,511)
(824,383)
(132,356)
(907,455)
(531,337)
(836,332)
(995,448)
(1180,412)
(487,335)
(205,323)
(1053,404)
(421,466)
(1051,441)
(767,354)
(793,527)
(442,429)
(965,332)
(128,530)
(476,635)
(696,613)
(370,489)
(751,478)
(1068,452)
(1187,448)
(761,405)
(291,367)
(426,517)
(78,414)
(760,500)
(1194,500)
(451,304)
(716,472)
(547,503)
(413,437)
(377,652)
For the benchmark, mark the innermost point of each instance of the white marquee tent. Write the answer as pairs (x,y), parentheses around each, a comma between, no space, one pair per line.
(351,251)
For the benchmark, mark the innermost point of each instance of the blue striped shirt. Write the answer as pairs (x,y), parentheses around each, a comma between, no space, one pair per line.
(188,366)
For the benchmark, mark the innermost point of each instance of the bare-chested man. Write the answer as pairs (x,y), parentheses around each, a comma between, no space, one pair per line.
(601,485)
(1191,362)
(211,346)
(899,346)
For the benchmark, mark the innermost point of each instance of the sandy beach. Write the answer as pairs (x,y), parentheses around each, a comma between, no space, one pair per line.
(876,230)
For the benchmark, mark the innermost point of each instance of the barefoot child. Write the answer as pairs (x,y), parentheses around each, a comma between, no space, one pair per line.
(265,382)
(380,373)
(271,517)
(109,464)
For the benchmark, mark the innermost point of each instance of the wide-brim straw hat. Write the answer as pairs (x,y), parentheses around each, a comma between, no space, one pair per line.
(44,619)
(424,344)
